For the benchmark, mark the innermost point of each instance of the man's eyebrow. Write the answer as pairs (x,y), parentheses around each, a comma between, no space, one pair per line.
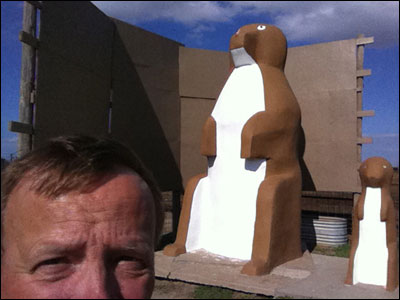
(135,245)
(140,246)
(56,247)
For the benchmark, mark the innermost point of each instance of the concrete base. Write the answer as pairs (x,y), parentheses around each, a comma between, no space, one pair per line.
(312,276)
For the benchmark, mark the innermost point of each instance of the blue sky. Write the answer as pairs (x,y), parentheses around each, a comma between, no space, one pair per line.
(209,25)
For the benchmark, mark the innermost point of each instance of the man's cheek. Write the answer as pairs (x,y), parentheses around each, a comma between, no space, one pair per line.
(21,286)
(138,288)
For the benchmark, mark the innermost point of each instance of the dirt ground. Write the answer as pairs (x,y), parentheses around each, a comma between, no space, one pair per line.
(167,289)
(170,289)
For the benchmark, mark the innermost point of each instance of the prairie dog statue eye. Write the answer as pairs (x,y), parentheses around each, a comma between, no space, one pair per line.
(261,27)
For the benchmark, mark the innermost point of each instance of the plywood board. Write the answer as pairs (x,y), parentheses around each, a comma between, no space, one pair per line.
(73,85)
(330,149)
(322,67)
(202,73)
(155,61)
(135,124)
(146,105)
(78,32)
(194,113)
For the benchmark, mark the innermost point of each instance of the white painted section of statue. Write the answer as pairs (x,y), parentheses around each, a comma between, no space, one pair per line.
(224,202)
(371,258)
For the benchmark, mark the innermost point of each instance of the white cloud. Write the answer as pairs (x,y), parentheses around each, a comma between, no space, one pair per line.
(304,21)
(341,20)
(186,12)
(198,32)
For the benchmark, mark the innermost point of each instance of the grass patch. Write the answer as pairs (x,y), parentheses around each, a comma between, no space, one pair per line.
(339,251)
(211,292)
(342,251)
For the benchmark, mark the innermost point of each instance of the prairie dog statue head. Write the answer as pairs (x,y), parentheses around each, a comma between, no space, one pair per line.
(376,172)
(265,44)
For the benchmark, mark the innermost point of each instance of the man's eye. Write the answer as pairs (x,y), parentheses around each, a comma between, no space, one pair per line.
(55,261)
(53,269)
(131,260)
(131,263)
(58,265)
(125,258)
(52,262)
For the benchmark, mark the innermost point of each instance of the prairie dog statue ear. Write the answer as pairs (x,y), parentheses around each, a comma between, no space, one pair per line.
(247,206)
(374,235)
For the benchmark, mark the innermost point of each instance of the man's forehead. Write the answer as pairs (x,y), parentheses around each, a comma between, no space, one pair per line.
(123,184)
(122,199)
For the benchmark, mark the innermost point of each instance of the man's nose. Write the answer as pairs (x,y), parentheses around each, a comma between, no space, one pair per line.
(92,284)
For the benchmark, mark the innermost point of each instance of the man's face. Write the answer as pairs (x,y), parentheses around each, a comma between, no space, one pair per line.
(80,245)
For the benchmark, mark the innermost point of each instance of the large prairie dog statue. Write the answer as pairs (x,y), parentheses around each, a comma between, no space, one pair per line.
(373,253)
(247,206)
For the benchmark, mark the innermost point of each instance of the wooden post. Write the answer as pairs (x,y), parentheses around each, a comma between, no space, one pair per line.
(360,62)
(176,210)
(27,78)
(360,73)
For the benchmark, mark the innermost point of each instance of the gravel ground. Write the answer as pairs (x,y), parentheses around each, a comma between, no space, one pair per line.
(170,289)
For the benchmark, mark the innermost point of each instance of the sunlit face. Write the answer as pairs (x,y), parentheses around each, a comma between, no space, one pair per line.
(81,245)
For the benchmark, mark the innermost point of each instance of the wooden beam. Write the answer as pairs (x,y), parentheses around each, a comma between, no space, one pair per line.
(20,127)
(33,97)
(364,72)
(36,4)
(360,85)
(365,40)
(28,39)
(364,140)
(28,67)
(365,113)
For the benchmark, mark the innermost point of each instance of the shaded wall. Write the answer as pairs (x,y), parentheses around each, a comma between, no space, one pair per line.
(74,64)
(102,77)
(202,75)
(323,78)
(145,100)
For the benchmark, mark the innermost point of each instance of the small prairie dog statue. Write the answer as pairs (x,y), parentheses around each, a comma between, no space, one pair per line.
(247,206)
(373,252)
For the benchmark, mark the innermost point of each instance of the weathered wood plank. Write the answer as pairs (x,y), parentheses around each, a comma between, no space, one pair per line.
(27,77)
(28,39)
(364,72)
(20,127)
(364,140)
(365,113)
(365,40)
(36,4)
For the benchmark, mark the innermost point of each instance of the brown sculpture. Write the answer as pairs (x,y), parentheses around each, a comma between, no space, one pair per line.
(373,253)
(271,135)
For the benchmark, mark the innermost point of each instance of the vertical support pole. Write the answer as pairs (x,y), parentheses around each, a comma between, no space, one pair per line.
(27,78)
(360,63)
(176,211)
(360,83)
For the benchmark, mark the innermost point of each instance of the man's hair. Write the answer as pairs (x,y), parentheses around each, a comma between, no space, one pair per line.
(74,163)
